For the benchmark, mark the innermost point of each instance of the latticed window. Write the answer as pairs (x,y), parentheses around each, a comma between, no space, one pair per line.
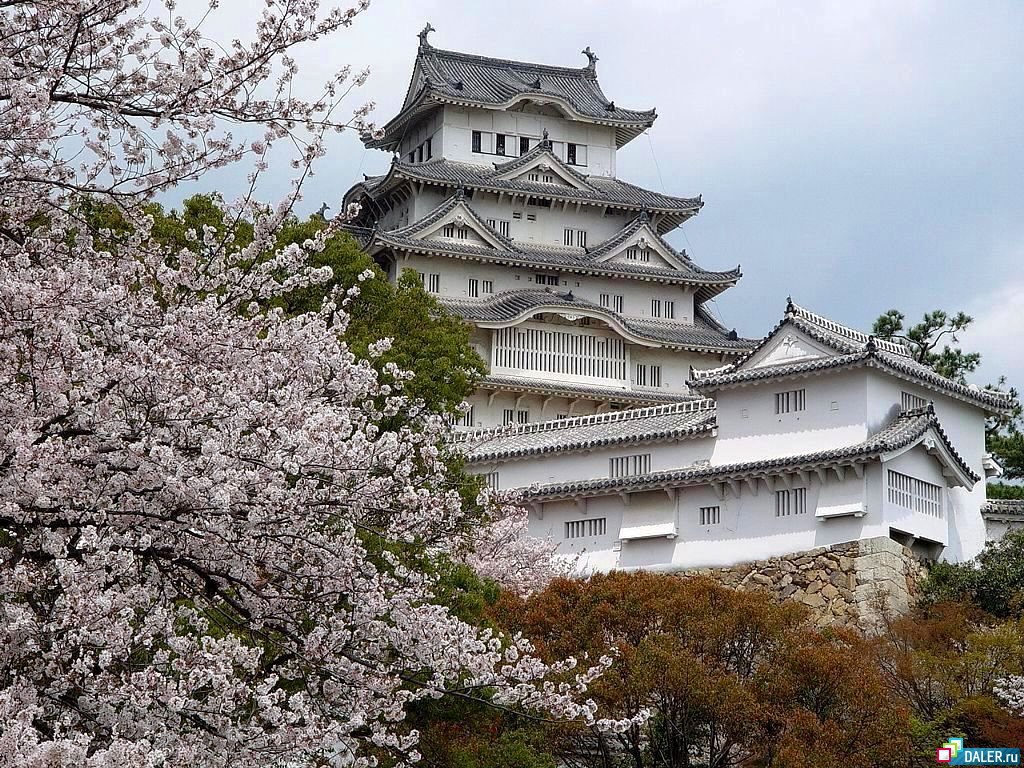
(580,354)
(791,502)
(488,286)
(911,402)
(586,529)
(710,515)
(793,400)
(467,418)
(567,236)
(913,494)
(648,375)
(628,466)
(448,230)
(670,309)
(546,279)
(474,287)
(655,307)
(491,480)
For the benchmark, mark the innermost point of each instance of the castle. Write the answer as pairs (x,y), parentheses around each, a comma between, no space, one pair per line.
(641,431)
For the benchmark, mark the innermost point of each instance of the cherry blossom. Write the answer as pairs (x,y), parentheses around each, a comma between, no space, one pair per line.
(203,526)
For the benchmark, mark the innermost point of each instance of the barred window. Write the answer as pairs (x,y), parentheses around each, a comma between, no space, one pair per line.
(488,286)
(581,529)
(791,401)
(467,418)
(655,307)
(917,495)
(911,402)
(648,375)
(670,310)
(491,480)
(710,515)
(628,466)
(791,502)
(448,230)
(474,287)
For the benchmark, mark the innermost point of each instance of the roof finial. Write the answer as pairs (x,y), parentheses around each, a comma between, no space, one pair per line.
(931,407)
(460,192)
(790,306)
(545,142)
(591,57)
(322,213)
(424,43)
(643,216)
(871,346)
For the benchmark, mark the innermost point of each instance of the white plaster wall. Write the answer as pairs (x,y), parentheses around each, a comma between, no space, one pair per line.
(749,428)
(918,464)
(964,424)
(594,463)
(637,294)
(460,122)
(996,529)
(549,227)
(748,530)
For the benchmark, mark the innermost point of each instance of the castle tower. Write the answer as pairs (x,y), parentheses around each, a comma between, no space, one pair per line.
(503,197)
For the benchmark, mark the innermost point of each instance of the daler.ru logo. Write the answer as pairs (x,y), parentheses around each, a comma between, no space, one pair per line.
(953,752)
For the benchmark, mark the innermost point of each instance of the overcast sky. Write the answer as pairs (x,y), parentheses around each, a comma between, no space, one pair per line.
(857,155)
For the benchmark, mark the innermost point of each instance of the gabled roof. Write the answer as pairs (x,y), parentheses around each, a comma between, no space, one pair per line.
(907,430)
(693,418)
(450,77)
(603,191)
(509,252)
(849,348)
(512,307)
(541,155)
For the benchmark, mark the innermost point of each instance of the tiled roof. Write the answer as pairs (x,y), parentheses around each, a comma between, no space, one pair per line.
(596,190)
(441,76)
(587,391)
(1004,509)
(643,425)
(903,431)
(565,259)
(853,348)
(508,306)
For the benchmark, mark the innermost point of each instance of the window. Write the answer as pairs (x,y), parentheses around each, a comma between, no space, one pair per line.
(431,283)
(419,154)
(499,144)
(580,529)
(567,236)
(546,279)
(491,480)
(581,238)
(911,402)
(793,400)
(710,515)
(538,202)
(561,416)
(627,466)
(611,301)
(670,309)
(648,375)
(430,148)
(448,230)
(501,225)
(791,502)
(637,254)
(531,217)
(474,287)
(467,418)
(524,145)
(917,495)
(488,286)
(570,154)
(655,307)
(508,416)
(517,214)
(477,141)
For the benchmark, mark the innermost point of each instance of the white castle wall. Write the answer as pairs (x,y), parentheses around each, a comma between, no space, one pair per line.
(460,122)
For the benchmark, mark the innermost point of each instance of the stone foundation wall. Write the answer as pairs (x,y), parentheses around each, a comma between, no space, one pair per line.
(846,584)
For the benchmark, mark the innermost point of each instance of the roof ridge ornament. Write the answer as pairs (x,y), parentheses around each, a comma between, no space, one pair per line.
(424,43)
(790,307)
(871,346)
(545,142)
(591,58)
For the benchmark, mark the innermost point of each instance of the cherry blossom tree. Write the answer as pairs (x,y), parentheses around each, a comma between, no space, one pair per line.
(205,534)
(1010,691)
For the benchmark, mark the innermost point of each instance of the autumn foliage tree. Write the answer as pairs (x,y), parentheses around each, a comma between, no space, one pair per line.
(729,677)
(210,547)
